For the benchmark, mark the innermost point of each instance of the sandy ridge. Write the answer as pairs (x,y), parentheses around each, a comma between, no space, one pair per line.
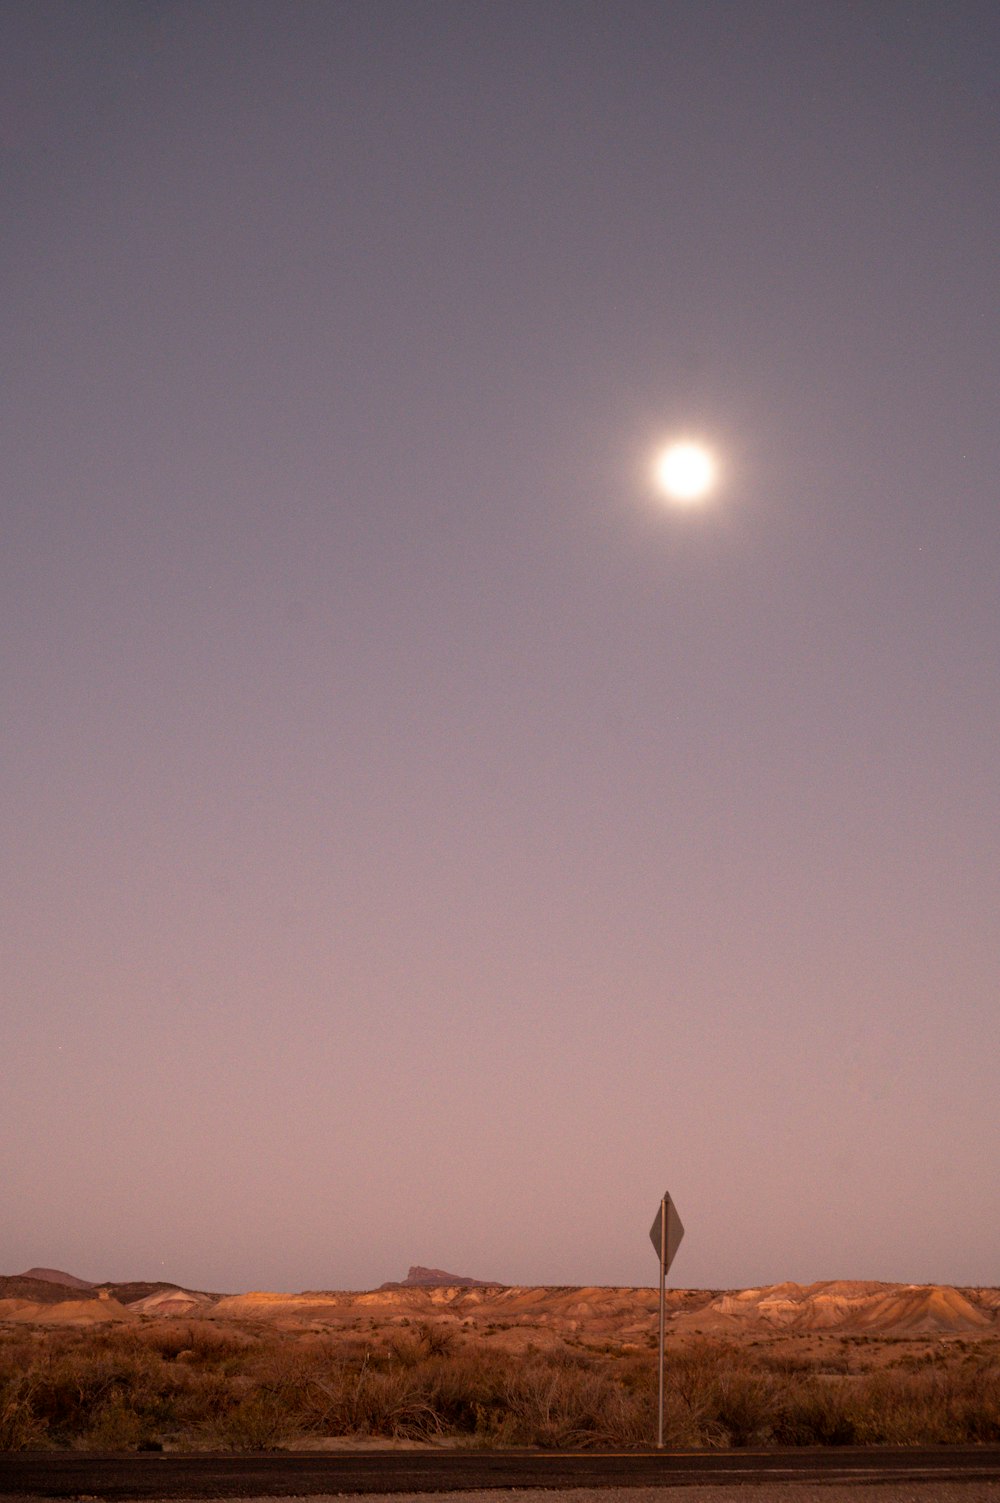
(626,1314)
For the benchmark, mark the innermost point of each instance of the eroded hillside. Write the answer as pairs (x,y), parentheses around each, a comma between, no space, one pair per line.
(516,1316)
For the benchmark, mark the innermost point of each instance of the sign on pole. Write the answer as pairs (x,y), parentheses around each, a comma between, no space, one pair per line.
(665,1235)
(675,1232)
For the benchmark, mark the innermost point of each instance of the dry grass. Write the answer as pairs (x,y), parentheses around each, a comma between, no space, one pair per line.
(195,1385)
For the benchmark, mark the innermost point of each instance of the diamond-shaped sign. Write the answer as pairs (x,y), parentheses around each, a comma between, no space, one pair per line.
(675,1232)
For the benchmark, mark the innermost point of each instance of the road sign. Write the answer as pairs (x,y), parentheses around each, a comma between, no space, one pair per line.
(665,1235)
(675,1232)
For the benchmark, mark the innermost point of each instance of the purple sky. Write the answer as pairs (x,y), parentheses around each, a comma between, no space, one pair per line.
(420,844)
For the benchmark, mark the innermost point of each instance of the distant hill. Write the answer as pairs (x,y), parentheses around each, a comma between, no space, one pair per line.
(157,1293)
(40,1291)
(518,1318)
(437,1278)
(168,1300)
(49,1286)
(54,1276)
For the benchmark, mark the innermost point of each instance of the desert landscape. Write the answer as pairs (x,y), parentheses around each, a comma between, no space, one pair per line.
(443,1358)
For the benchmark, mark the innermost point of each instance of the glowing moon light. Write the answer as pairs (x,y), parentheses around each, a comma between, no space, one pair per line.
(685,473)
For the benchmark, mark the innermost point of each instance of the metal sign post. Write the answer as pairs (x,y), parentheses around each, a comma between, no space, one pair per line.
(665,1235)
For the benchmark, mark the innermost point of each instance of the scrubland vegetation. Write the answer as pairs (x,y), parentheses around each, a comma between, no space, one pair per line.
(197,1385)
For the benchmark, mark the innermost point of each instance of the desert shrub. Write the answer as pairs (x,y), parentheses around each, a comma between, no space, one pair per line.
(428,1341)
(691,1392)
(817,1413)
(21,1427)
(552,1407)
(386,1402)
(114,1393)
(73,1385)
(196,1340)
(191,1384)
(466,1393)
(930,1407)
(259,1422)
(405,1350)
(376,1396)
(804,1365)
(554,1400)
(436,1341)
(115,1426)
(982,1411)
(17,1354)
(747,1406)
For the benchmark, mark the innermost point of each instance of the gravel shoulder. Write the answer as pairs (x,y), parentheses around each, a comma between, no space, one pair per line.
(975,1490)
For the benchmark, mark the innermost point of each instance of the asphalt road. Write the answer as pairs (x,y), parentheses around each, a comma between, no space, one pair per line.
(55,1474)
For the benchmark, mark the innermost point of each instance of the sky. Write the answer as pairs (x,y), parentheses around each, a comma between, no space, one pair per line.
(422,842)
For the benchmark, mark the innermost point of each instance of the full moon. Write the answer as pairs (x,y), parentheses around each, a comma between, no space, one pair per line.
(685,473)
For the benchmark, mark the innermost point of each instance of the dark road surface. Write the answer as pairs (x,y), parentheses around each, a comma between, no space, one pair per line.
(78,1475)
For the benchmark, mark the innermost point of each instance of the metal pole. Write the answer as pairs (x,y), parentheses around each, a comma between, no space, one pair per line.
(663,1284)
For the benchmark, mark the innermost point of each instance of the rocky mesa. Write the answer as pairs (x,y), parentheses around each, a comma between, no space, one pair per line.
(516,1316)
